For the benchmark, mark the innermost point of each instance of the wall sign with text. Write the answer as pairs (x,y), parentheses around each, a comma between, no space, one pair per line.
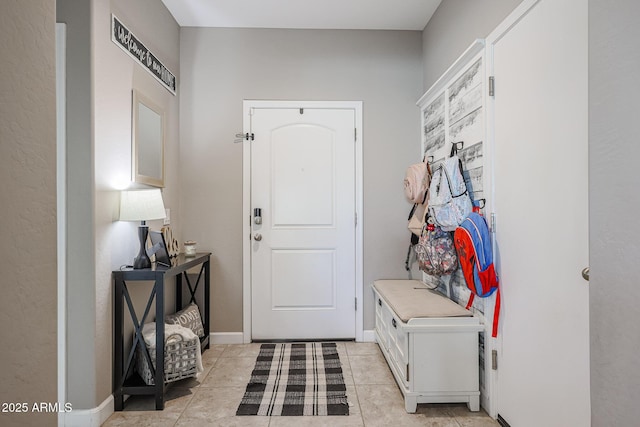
(128,42)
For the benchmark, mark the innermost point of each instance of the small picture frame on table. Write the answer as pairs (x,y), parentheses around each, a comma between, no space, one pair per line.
(159,248)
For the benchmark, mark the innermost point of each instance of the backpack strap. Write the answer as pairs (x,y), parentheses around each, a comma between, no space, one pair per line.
(454,152)
(406,262)
(496,315)
(478,205)
(426,193)
(413,209)
(470,302)
(496,312)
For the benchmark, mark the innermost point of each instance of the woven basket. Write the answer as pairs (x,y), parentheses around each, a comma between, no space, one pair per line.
(179,360)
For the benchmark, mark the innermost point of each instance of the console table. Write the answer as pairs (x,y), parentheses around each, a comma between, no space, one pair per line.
(123,383)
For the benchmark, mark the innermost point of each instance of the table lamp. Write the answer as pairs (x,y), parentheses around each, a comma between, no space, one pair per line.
(141,205)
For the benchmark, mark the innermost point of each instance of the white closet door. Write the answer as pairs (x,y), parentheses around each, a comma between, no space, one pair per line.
(541,205)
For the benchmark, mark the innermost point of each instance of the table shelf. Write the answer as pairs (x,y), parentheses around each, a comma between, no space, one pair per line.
(123,364)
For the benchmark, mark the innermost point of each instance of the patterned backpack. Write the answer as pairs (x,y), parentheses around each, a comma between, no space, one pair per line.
(473,245)
(435,251)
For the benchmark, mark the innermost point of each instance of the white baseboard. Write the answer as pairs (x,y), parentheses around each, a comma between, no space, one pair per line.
(369,336)
(238,337)
(94,417)
(226,338)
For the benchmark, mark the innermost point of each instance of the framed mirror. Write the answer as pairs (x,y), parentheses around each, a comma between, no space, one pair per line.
(148,141)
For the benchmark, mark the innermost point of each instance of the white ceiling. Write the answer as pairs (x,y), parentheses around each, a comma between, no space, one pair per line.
(316,14)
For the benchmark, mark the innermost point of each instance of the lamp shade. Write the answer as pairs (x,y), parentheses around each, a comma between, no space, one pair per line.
(141,205)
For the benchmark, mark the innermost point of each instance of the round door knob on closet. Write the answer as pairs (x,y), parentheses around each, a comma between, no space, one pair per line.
(257,237)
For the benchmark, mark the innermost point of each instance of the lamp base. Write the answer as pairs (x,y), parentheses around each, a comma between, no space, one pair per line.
(142,260)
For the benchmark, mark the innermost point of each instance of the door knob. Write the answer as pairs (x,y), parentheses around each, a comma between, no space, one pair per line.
(585,273)
(257,237)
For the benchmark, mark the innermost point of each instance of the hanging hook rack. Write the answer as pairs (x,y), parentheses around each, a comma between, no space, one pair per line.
(427,159)
(455,147)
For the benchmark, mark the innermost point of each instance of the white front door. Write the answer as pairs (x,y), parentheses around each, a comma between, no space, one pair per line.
(303,258)
(541,205)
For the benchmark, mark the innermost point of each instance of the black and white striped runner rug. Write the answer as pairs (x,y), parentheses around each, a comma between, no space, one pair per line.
(296,379)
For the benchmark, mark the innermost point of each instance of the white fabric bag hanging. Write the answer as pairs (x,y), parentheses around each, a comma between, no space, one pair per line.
(449,201)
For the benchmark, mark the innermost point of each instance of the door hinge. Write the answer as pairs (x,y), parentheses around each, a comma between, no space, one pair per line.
(243,136)
(493,222)
(407,377)
(492,86)
(494,360)
(356,303)
(355,134)
(246,136)
(356,219)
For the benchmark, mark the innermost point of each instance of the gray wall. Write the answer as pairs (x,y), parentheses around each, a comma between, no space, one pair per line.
(100,80)
(453,27)
(221,67)
(115,75)
(28,308)
(614,203)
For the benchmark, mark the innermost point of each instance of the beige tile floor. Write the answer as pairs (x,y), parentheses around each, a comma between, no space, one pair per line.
(212,398)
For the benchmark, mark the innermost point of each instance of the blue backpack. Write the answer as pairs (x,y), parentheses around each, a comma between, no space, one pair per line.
(473,245)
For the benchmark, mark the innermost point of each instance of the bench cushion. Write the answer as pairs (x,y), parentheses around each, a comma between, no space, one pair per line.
(412,299)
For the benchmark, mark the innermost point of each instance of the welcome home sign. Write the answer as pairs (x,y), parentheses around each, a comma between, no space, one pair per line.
(128,42)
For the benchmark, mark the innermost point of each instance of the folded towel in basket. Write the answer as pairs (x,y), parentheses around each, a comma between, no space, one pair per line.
(172,334)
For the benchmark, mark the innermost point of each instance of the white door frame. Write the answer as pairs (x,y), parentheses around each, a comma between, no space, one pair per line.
(246,203)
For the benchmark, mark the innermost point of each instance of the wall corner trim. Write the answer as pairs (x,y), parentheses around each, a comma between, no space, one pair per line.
(369,336)
(94,417)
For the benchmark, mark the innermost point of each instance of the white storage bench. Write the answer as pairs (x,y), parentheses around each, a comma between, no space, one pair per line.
(429,342)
